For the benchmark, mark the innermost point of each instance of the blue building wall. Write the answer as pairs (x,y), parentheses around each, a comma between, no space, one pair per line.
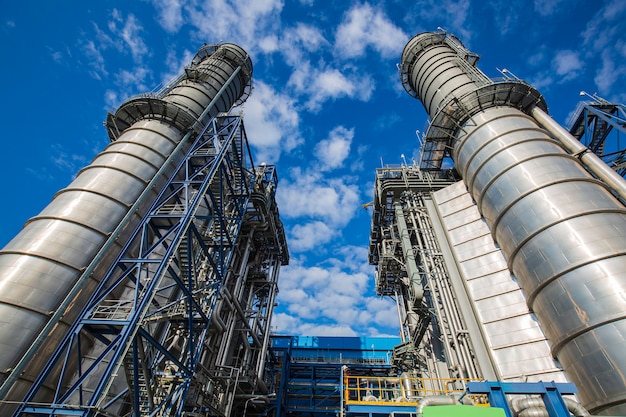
(306,371)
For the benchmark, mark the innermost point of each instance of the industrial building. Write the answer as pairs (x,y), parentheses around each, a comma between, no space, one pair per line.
(147,286)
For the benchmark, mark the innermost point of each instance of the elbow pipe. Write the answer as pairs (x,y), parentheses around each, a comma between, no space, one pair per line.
(432,401)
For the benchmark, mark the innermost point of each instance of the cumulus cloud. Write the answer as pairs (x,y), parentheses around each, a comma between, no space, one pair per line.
(364,26)
(245,21)
(170,14)
(309,235)
(333,151)
(322,84)
(331,299)
(268,44)
(272,123)
(332,200)
(567,64)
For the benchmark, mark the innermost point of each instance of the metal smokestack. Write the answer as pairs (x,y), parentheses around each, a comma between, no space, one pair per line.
(562,231)
(44,261)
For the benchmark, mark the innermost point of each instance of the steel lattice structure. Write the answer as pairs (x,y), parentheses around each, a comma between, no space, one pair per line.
(150,315)
(600,125)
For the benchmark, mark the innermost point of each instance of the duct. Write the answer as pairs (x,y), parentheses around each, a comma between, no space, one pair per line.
(562,231)
(533,412)
(519,404)
(45,260)
(536,407)
(432,401)
(576,408)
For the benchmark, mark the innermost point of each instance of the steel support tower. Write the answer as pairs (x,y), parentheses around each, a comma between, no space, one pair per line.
(601,126)
(164,262)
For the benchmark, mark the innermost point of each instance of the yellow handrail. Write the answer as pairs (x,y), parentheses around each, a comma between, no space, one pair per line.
(373,390)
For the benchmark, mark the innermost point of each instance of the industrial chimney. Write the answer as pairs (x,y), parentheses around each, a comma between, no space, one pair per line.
(41,269)
(562,229)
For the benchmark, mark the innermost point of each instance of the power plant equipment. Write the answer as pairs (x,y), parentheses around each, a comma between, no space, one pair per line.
(594,123)
(523,263)
(147,286)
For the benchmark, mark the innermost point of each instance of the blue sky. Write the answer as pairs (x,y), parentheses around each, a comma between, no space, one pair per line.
(327,106)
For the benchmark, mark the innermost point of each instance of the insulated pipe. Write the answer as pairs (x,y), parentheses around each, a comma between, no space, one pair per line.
(412,272)
(409,256)
(42,263)
(528,406)
(590,159)
(562,231)
(432,401)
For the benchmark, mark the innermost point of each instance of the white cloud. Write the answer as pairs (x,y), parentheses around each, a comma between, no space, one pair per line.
(548,7)
(333,151)
(332,200)
(608,74)
(272,123)
(310,235)
(134,78)
(331,299)
(95,60)
(130,33)
(67,162)
(269,44)
(364,26)
(322,84)
(309,37)
(112,99)
(176,64)
(452,15)
(243,21)
(170,14)
(567,64)
(603,39)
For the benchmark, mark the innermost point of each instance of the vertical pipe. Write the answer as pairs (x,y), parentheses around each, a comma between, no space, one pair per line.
(562,231)
(43,262)
(409,255)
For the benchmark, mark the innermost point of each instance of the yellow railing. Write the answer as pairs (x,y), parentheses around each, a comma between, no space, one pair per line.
(383,390)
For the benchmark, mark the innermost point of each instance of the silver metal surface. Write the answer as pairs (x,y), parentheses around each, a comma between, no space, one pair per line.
(519,347)
(562,231)
(40,265)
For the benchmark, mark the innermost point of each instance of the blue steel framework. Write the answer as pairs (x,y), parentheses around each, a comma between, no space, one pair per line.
(595,123)
(551,394)
(308,373)
(149,317)
(353,377)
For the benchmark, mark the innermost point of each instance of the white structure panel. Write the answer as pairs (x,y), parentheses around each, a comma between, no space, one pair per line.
(518,345)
